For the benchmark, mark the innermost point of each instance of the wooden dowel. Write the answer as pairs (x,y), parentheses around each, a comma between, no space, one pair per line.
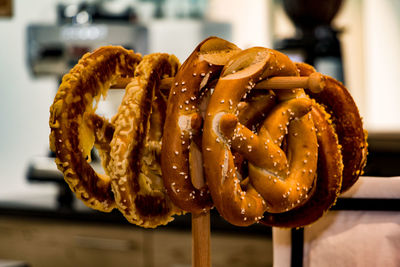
(315,82)
(122,82)
(201,256)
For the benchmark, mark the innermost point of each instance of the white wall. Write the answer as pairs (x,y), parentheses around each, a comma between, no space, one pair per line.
(24,102)
(382,61)
(251,20)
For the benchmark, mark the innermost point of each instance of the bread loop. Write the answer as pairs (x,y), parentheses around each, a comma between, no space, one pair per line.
(348,125)
(329,177)
(181,157)
(136,145)
(71,139)
(222,131)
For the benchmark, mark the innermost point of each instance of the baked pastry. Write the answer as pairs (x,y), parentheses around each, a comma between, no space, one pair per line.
(261,138)
(72,134)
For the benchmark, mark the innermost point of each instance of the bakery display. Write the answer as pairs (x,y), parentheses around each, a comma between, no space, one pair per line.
(249,132)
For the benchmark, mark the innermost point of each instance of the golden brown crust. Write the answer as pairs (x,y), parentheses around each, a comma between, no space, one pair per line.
(256,108)
(348,124)
(273,156)
(136,145)
(328,183)
(103,133)
(269,183)
(70,138)
(183,115)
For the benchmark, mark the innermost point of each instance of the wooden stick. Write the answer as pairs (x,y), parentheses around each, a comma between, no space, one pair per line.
(201,256)
(315,82)
(122,82)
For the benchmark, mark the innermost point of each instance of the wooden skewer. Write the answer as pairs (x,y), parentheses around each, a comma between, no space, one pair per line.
(315,82)
(201,255)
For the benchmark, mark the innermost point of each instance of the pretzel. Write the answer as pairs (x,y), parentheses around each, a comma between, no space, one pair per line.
(348,125)
(136,145)
(272,155)
(275,184)
(181,158)
(328,183)
(71,139)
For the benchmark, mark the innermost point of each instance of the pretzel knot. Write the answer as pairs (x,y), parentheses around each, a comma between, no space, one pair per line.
(136,145)
(72,121)
(182,163)
(282,156)
(278,156)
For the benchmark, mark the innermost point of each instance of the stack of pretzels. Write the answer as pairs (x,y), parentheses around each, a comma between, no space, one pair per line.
(249,132)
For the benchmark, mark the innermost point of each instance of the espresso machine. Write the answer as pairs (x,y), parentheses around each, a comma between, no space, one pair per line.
(316,40)
(53,49)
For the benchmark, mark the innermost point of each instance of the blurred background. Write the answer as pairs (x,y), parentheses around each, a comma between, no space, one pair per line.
(355,41)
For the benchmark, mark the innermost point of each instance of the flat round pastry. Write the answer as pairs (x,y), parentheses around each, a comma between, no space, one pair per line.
(348,125)
(135,168)
(71,138)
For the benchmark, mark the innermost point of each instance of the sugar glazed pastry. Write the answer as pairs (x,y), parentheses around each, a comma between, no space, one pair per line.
(257,136)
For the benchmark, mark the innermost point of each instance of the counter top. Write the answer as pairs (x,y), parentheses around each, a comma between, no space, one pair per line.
(40,201)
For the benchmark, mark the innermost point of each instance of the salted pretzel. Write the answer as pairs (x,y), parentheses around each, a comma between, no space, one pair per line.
(348,125)
(345,130)
(273,156)
(71,138)
(181,157)
(276,183)
(136,145)
(328,182)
